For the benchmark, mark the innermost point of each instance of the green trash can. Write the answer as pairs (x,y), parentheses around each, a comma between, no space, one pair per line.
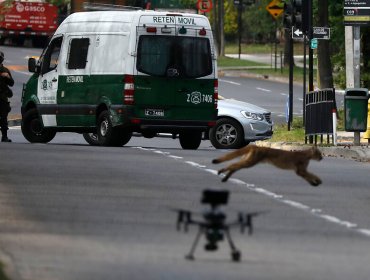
(355,109)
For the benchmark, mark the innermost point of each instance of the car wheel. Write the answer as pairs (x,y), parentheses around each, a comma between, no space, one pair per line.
(107,134)
(190,140)
(33,129)
(227,134)
(91,138)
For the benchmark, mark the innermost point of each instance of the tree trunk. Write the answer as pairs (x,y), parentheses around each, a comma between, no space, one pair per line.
(215,27)
(323,50)
(221,14)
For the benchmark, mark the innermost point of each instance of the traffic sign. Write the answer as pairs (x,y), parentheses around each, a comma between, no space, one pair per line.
(204,6)
(275,8)
(356,12)
(314,44)
(297,33)
(322,33)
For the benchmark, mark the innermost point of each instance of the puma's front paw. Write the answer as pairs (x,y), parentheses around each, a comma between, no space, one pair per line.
(315,182)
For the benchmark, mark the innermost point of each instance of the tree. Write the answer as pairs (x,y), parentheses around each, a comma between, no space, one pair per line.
(217,19)
(260,26)
(323,50)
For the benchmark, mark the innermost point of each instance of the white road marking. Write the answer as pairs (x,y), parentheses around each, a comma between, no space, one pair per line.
(263,89)
(229,82)
(295,204)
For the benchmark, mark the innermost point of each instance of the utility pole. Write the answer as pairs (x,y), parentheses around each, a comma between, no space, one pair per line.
(356,14)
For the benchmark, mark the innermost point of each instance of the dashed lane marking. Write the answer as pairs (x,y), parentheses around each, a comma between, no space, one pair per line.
(263,89)
(278,197)
(229,82)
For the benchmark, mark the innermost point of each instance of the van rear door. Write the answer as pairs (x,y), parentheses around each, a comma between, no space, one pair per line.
(175,75)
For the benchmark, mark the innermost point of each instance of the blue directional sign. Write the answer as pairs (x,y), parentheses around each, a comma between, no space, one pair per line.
(314,44)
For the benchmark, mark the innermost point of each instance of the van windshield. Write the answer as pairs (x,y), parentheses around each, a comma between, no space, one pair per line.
(173,56)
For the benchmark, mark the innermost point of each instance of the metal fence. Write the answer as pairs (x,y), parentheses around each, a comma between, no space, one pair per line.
(319,108)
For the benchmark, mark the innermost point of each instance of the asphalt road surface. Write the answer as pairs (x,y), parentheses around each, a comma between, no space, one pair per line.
(73,211)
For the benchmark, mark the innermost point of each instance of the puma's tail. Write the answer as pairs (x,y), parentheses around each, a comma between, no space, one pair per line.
(233,154)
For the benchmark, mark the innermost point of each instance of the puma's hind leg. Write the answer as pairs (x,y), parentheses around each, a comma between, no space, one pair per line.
(247,162)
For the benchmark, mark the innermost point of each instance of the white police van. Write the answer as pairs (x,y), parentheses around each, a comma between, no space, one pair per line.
(117,72)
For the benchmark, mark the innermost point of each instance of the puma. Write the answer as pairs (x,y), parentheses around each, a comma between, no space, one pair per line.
(251,155)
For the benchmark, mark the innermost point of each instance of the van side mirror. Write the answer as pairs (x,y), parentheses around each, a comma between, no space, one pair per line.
(32,65)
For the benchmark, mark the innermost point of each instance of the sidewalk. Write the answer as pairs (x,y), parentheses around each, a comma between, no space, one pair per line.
(345,147)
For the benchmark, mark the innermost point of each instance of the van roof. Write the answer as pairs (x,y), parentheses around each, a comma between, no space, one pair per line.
(119,16)
(121,21)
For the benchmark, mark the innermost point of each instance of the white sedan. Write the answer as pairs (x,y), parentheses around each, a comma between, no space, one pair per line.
(239,123)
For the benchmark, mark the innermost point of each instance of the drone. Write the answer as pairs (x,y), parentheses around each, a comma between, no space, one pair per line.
(214,225)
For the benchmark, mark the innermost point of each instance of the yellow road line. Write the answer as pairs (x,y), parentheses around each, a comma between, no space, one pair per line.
(17,67)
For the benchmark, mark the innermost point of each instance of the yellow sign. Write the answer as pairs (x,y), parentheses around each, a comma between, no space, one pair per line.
(275,8)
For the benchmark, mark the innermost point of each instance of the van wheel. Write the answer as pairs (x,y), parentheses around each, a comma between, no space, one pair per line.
(190,140)
(227,134)
(33,130)
(91,138)
(124,137)
(109,135)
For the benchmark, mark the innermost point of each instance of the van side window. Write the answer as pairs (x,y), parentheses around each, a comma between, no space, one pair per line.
(51,56)
(173,56)
(78,50)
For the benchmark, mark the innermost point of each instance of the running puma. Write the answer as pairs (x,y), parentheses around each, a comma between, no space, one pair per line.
(251,155)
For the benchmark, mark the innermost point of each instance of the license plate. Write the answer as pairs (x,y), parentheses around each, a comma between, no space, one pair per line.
(154,112)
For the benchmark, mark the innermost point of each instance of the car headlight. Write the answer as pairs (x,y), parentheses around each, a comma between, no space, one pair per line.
(253,116)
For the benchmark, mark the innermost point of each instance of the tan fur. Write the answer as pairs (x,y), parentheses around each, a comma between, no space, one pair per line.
(292,160)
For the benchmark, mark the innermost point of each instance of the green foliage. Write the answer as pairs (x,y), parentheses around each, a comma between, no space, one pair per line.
(295,134)
(259,25)
(233,48)
(233,62)
(337,47)
(2,274)
(297,130)
(59,2)
(182,4)
(231,19)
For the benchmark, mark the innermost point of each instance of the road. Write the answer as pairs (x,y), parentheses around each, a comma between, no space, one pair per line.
(72,211)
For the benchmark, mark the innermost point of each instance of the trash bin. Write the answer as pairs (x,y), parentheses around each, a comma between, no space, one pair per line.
(355,109)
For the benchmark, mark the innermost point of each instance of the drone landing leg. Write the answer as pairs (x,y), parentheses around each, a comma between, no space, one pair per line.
(190,256)
(235,253)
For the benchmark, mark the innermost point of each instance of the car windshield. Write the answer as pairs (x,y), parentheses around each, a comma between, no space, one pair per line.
(173,56)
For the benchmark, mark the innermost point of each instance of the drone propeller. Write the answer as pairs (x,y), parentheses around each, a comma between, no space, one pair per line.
(183,217)
(246,220)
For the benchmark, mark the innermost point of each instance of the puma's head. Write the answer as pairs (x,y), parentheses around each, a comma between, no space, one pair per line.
(316,154)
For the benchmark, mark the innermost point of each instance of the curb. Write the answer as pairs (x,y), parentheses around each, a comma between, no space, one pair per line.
(241,73)
(358,153)
(14,122)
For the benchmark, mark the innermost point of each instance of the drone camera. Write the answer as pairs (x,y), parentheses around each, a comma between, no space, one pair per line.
(215,197)
(213,236)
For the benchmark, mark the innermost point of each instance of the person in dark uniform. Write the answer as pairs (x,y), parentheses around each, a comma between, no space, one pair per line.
(6,80)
